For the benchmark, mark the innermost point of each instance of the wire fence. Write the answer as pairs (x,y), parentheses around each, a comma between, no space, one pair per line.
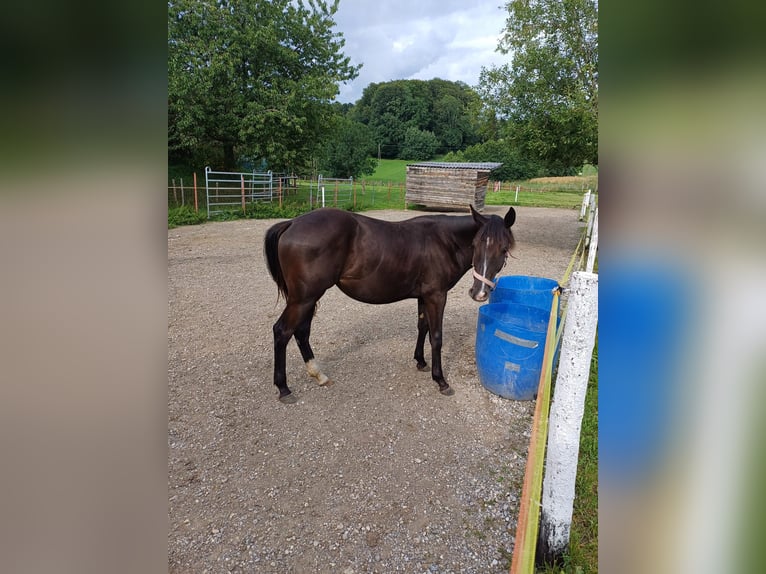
(309,193)
(286,191)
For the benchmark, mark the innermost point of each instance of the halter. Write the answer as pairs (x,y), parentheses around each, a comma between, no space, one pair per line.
(490,284)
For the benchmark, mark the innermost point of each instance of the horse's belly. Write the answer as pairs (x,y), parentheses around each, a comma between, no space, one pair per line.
(377,292)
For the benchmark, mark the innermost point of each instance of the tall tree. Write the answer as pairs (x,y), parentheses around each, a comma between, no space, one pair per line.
(348,150)
(445,109)
(549,92)
(253,78)
(418,144)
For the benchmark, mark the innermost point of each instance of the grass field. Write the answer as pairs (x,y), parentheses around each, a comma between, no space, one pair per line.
(389,170)
(384,189)
(564,192)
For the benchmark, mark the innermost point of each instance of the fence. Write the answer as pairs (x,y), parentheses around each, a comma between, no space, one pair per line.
(226,189)
(305,193)
(547,504)
(333,190)
(180,194)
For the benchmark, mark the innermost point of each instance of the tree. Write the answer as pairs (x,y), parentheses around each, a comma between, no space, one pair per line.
(549,92)
(348,150)
(515,166)
(446,109)
(253,77)
(418,144)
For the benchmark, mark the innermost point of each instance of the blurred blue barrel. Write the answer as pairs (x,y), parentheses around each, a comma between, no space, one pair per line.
(510,345)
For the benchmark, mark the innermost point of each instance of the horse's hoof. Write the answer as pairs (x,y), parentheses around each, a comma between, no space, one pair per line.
(327,383)
(422,366)
(288,399)
(447,391)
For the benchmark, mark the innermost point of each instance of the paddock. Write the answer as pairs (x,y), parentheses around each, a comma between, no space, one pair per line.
(377,473)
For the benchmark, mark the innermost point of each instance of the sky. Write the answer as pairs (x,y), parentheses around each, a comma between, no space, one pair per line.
(419,40)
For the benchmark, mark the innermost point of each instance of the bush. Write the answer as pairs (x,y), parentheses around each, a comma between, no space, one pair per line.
(515,166)
(185,215)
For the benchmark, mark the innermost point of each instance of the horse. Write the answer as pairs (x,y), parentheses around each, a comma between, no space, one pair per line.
(379,262)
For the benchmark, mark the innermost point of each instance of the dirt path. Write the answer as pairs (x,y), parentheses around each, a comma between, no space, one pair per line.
(377,473)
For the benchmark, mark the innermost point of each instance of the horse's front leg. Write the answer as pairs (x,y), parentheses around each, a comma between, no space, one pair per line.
(422,332)
(434,306)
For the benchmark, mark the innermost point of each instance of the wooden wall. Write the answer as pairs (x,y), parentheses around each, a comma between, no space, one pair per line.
(446,187)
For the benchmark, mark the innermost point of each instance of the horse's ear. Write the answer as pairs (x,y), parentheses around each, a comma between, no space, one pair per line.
(477,217)
(510,218)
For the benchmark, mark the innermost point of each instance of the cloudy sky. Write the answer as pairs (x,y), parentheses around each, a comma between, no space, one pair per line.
(419,40)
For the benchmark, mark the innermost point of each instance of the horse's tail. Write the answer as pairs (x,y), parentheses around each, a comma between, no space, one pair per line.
(270,249)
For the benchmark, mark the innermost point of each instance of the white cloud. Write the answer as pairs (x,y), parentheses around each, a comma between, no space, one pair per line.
(400,39)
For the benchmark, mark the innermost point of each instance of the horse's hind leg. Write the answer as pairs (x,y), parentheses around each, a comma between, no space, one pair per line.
(422,332)
(302,334)
(288,323)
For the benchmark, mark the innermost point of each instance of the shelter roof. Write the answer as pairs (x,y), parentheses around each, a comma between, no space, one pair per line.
(457,165)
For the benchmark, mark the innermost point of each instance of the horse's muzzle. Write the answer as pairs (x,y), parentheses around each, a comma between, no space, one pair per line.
(485,287)
(480,296)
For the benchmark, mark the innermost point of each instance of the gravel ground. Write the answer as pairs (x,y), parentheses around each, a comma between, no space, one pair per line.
(376,473)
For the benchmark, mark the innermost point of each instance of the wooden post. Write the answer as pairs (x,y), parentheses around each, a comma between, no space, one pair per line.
(175,193)
(183,199)
(279,191)
(566,417)
(389,189)
(336,195)
(353,192)
(242,179)
(196,204)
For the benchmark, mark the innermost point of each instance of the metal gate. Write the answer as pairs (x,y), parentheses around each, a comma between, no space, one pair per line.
(227,189)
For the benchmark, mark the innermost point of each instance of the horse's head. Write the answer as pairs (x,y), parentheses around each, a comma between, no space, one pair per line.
(491,246)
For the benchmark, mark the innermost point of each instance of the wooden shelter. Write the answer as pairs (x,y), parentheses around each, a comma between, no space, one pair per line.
(448,184)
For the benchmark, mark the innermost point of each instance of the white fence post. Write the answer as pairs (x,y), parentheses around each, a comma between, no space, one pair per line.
(593,247)
(589,225)
(585,203)
(566,416)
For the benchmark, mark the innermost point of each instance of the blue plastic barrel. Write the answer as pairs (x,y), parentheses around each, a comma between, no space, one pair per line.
(524,289)
(531,291)
(510,345)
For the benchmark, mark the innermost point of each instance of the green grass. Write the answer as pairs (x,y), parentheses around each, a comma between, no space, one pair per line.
(390,170)
(370,194)
(528,198)
(385,189)
(582,556)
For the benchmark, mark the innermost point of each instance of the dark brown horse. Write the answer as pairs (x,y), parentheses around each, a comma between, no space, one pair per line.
(379,262)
